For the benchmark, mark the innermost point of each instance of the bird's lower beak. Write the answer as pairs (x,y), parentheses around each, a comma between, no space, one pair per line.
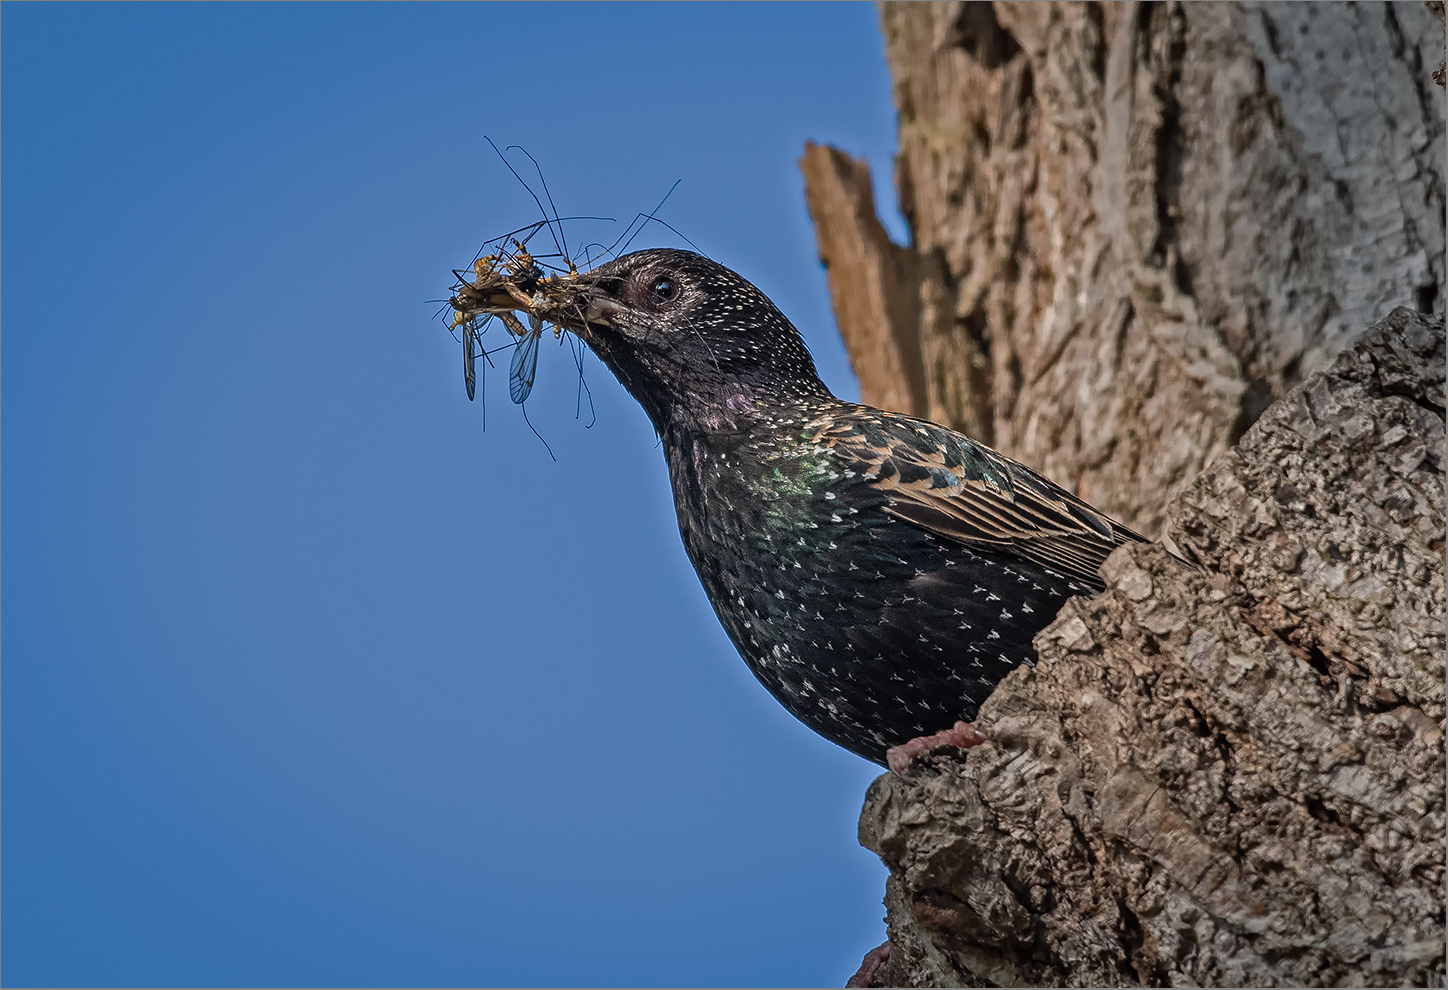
(601,310)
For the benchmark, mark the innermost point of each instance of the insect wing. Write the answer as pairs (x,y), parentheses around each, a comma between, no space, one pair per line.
(470,372)
(524,367)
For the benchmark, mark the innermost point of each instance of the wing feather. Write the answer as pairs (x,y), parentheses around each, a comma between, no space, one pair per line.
(946,483)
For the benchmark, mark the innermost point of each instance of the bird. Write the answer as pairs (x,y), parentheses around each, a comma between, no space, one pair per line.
(879,573)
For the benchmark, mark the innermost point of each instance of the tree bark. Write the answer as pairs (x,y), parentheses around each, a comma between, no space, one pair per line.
(1137,231)
(1135,225)
(1224,777)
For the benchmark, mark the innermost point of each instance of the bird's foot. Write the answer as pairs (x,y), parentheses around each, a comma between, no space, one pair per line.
(870,965)
(961,734)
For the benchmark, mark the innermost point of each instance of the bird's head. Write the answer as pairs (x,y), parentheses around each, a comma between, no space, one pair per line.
(696,344)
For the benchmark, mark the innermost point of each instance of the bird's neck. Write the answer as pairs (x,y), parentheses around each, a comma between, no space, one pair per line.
(742,434)
(741,407)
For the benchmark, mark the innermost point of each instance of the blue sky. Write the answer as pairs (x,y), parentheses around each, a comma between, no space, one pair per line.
(308,680)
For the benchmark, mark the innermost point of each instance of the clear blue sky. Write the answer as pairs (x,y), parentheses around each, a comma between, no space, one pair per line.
(307,680)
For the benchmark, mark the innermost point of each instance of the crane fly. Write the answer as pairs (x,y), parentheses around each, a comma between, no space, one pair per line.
(525,362)
(503,283)
(510,280)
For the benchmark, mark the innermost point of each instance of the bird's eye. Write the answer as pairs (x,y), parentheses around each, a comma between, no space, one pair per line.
(663,290)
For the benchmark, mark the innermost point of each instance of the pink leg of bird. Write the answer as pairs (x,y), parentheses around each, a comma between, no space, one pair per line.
(870,965)
(961,734)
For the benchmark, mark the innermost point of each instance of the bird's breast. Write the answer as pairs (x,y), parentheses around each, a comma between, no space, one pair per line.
(868,629)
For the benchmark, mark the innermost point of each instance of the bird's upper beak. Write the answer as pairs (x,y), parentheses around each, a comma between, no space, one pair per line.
(578,302)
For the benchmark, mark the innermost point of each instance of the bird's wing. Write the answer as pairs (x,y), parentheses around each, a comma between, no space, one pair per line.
(948,484)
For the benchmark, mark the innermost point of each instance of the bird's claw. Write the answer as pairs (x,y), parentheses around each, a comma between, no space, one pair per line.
(962,734)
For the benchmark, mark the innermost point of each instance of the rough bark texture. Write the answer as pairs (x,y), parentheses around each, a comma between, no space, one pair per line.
(1136,225)
(1231,776)
(1137,230)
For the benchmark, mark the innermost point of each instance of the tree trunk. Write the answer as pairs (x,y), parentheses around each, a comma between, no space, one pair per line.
(1135,226)
(1225,777)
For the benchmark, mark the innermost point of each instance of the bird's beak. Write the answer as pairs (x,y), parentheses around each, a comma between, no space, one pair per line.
(601,310)
(578,304)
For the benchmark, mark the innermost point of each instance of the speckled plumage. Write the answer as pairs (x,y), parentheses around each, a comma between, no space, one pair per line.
(879,573)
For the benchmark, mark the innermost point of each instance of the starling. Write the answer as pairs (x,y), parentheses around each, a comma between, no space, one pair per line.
(879,573)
